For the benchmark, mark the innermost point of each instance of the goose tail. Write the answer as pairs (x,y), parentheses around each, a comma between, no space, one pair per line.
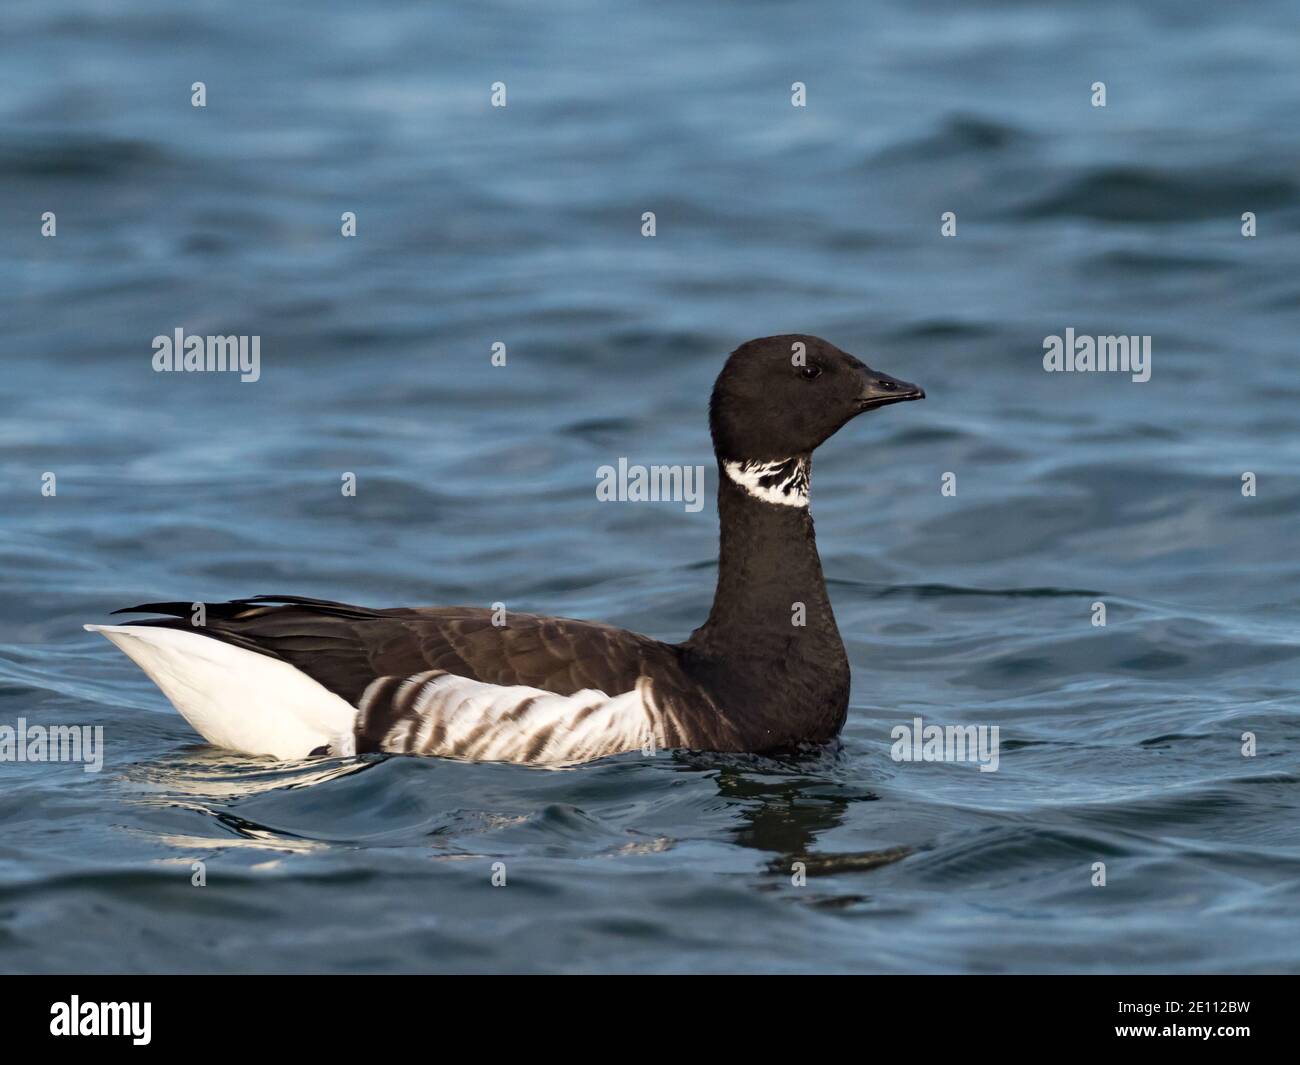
(237,698)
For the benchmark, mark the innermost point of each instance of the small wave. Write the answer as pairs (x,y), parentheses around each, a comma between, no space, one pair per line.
(78,156)
(942,591)
(1136,194)
(959,134)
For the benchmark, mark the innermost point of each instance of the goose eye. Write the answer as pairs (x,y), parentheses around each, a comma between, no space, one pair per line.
(810,371)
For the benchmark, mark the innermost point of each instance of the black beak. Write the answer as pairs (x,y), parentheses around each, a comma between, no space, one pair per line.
(880,390)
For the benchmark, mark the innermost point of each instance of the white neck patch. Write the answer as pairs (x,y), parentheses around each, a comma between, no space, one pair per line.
(782,481)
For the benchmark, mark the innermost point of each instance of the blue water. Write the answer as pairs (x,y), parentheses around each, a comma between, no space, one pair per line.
(1119,744)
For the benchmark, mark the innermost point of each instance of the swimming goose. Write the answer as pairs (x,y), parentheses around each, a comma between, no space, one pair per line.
(292,677)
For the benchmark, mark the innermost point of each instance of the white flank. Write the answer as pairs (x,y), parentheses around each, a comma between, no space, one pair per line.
(793,492)
(235,698)
(458,717)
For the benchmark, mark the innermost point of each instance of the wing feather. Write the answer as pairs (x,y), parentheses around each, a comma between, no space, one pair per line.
(449,680)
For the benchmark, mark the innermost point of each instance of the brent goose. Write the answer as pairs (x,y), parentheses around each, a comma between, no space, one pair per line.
(293,677)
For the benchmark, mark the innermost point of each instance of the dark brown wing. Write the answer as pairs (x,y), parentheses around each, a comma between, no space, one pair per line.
(345,647)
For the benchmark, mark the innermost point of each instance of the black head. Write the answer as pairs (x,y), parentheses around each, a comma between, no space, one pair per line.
(784,395)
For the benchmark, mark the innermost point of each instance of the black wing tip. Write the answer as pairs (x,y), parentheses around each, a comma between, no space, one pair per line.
(297,600)
(180,610)
(262,602)
(172,609)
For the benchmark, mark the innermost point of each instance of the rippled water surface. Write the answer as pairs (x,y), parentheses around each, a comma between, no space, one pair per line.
(1120,744)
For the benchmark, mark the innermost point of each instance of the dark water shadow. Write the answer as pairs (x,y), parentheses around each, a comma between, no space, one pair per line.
(787,803)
